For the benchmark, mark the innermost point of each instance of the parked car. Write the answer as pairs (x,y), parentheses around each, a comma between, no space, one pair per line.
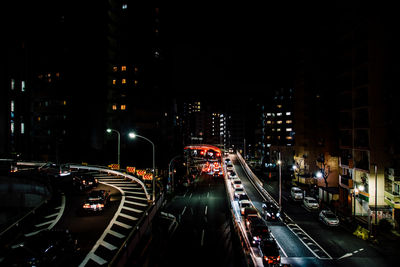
(96,201)
(296,194)
(270,252)
(55,170)
(84,181)
(270,211)
(311,203)
(328,218)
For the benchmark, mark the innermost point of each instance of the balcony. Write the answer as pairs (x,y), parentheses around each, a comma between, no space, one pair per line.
(392,199)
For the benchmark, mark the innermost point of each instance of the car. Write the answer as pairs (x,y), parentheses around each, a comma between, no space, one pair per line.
(269,251)
(231,151)
(54,170)
(237,192)
(258,229)
(232,175)
(244,204)
(243,197)
(227,160)
(47,248)
(96,201)
(270,211)
(310,203)
(84,181)
(237,183)
(296,194)
(229,167)
(328,218)
(250,212)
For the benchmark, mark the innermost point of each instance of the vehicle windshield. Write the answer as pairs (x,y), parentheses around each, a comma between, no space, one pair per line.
(237,182)
(297,191)
(239,190)
(330,215)
(244,205)
(312,201)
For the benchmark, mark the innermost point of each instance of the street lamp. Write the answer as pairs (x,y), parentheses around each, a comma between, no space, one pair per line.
(280,179)
(132,136)
(109,130)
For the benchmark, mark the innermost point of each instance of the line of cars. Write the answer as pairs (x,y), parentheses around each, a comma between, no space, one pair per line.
(256,227)
(325,216)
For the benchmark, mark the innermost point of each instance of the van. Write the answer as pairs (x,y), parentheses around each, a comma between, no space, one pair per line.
(296,194)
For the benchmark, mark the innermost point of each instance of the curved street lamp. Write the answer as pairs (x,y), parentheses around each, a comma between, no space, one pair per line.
(133,136)
(109,130)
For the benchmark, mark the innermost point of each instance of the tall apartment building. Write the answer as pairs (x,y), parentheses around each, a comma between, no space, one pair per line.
(277,126)
(137,92)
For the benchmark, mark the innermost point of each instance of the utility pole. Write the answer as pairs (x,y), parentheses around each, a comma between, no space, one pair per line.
(280,179)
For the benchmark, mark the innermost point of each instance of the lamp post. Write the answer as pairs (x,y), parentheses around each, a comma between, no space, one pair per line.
(280,179)
(109,130)
(132,136)
(355,193)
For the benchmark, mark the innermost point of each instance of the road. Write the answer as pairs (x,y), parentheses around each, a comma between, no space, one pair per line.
(204,235)
(307,241)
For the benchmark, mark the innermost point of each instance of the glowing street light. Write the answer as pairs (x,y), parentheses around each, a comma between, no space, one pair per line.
(109,130)
(132,135)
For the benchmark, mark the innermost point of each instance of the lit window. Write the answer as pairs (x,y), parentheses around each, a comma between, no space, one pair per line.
(279,114)
(278,129)
(12,127)
(123,107)
(136,82)
(124,6)
(268,137)
(12,106)
(279,122)
(22,128)
(57,74)
(268,122)
(115,68)
(38,118)
(279,106)
(289,121)
(123,68)
(136,69)
(12,84)
(288,129)
(65,102)
(114,107)
(289,137)
(288,113)
(23,86)
(123,81)
(114,82)
(268,114)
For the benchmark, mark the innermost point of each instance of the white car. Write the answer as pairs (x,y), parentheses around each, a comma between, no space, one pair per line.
(328,218)
(238,192)
(311,203)
(296,193)
(232,175)
(229,167)
(244,204)
(237,183)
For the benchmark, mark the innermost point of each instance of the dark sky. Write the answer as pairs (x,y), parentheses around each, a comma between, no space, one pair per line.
(250,49)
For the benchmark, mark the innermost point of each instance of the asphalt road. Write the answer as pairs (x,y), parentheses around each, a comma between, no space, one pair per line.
(342,247)
(203,236)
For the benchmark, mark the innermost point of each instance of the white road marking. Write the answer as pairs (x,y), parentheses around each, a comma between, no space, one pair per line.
(202,238)
(184,209)
(205,212)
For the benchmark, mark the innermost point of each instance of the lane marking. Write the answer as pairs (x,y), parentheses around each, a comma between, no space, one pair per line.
(184,209)
(202,238)
(205,212)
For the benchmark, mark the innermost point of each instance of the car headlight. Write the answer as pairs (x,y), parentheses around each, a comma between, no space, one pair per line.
(278,214)
(268,214)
